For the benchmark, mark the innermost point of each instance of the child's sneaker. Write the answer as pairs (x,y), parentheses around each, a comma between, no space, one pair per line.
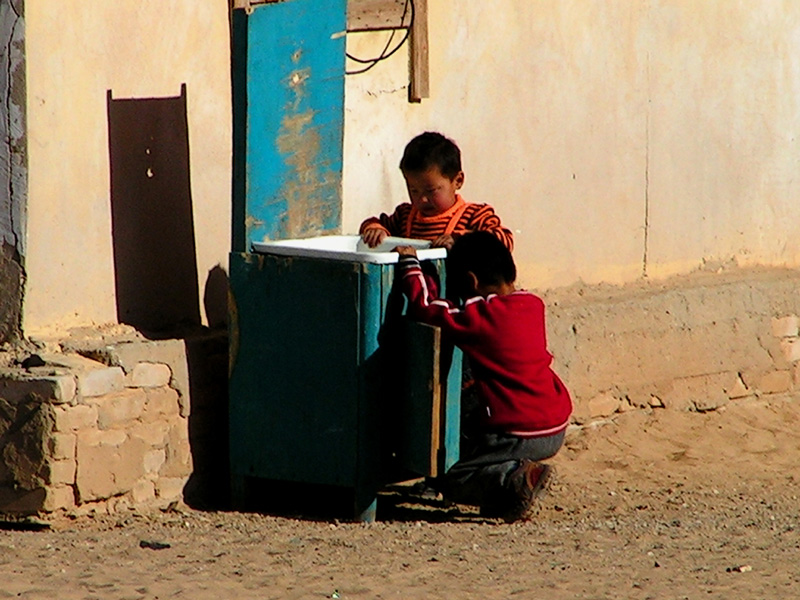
(527,482)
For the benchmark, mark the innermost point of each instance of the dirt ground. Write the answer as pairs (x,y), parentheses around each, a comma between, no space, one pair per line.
(663,504)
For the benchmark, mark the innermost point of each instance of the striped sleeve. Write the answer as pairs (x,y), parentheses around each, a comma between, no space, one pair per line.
(394,224)
(481,217)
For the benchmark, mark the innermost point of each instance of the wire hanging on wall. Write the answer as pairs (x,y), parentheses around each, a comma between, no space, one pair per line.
(371,62)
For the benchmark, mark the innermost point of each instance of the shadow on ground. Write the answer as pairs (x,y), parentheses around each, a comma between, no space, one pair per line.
(314,502)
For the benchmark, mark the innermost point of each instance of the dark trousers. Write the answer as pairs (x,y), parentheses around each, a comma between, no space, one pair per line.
(487,460)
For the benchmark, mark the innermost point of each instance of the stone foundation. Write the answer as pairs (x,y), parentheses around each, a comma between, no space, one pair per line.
(693,343)
(97,426)
(109,420)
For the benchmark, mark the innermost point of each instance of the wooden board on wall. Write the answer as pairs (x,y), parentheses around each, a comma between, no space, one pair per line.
(362,15)
(370,15)
(419,84)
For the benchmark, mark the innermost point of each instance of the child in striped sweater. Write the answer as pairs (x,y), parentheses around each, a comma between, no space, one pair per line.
(431,166)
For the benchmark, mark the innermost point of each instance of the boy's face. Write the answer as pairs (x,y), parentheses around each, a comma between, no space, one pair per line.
(431,192)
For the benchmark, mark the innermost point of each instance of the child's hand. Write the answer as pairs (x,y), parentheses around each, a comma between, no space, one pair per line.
(405,251)
(443,241)
(373,236)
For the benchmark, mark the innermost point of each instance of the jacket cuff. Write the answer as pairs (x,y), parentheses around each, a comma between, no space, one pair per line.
(408,262)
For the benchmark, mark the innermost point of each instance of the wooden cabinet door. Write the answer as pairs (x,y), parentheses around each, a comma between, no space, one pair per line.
(430,398)
(294,386)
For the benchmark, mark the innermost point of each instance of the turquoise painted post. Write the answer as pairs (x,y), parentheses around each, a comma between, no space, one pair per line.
(288,78)
(452,412)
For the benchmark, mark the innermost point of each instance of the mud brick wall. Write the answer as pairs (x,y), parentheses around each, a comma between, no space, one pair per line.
(144,422)
(694,343)
(77,434)
(90,424)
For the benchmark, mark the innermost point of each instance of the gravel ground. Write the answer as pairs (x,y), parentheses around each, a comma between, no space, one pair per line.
(649,505)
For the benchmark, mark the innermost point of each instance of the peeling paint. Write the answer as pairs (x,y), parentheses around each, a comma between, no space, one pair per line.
(294,130)
(305,187)
(252,222)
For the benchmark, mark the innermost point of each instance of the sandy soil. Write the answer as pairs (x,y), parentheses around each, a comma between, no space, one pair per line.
(659,505)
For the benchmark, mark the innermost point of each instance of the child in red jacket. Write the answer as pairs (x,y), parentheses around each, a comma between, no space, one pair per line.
(525,406)
(431,166)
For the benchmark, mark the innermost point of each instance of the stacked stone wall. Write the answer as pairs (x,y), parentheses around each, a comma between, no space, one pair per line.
(143,422)
(695,344)
(77,434)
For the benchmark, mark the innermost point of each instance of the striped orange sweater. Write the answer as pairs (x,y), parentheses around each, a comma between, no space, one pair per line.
(475,217)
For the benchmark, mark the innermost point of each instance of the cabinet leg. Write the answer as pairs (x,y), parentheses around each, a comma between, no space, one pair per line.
(368,514)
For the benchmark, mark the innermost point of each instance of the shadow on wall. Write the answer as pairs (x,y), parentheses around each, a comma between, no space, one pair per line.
(155,270)
(215,297)
(155,265)
(207,361)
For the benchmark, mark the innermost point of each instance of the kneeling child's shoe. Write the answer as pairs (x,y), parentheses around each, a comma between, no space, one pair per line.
(527,483)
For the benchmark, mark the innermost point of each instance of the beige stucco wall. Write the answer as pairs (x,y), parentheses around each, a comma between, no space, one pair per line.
(615,138)
(76,51)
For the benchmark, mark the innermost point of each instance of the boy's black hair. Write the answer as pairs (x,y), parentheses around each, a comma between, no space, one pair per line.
(484,255)
(431,149)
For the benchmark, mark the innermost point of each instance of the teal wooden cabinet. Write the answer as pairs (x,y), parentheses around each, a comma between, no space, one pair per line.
(330,383)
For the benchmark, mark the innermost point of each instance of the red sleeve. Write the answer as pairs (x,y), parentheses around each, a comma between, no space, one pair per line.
(425,306)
